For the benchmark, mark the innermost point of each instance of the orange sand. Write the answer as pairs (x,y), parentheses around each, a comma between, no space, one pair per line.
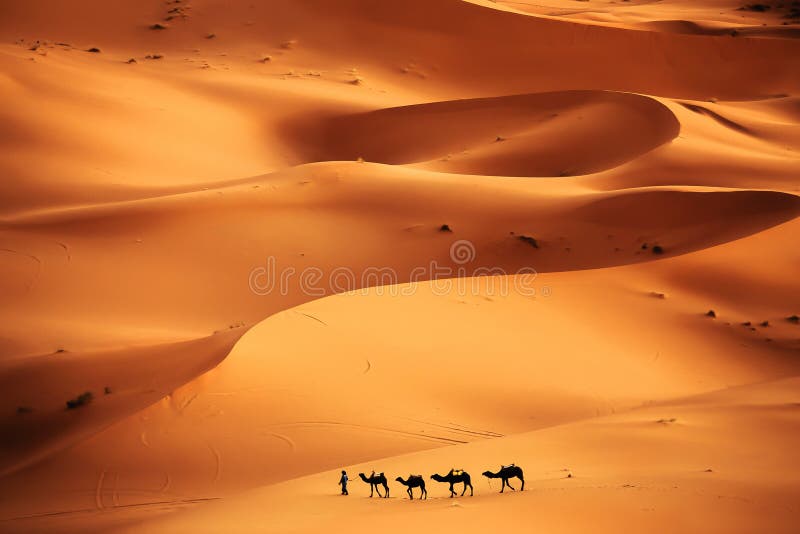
(139,199)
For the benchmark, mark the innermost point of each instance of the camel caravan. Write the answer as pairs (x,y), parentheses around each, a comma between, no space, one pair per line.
(377,481)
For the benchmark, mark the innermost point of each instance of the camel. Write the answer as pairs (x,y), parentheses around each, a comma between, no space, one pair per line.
(454,477)
(414,481)
(375,480)
(506,472)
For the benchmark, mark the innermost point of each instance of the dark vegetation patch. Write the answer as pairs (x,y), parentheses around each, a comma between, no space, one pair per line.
(529,240)
(81,400)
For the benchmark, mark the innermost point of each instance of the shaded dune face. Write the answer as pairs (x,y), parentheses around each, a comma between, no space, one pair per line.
(151,372)
(546,134)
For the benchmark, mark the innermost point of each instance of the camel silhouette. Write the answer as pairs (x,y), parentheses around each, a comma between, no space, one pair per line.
(414,481)
(375,480)
(455,478)
(506,472)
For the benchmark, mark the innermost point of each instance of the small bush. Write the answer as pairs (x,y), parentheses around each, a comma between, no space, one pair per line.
(24,409)
(529,240)
(758,8)
(658,249)
(81,400)
(445,228)
(94,50)
(158,26)
(793,319)
(711,313)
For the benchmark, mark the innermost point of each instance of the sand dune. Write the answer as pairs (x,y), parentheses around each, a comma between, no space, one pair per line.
(586,132)
(151,372)
(625,173)
(574,473)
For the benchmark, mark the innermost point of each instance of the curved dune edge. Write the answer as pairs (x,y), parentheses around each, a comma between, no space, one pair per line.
(205,436)
(701,19)
(210,408)
(705,28)
(544,134)
(155,262)
(122,382)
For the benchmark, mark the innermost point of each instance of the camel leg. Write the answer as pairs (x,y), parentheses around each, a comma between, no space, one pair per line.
(503,487)
(523,483)
(410,494)
(425,492)
(471,491)
(386,489)
(378,490)
(452,493)
(510,486)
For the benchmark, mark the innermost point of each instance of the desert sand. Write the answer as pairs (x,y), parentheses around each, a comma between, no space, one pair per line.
(627,173)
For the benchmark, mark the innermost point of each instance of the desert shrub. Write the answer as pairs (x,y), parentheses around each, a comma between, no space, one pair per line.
(81,400)
(758,8)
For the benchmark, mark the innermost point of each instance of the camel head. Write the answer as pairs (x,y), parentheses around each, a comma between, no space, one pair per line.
(400,480)
(489,474)
(436,476)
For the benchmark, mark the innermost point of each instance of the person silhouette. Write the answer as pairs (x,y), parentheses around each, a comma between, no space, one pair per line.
(343,482)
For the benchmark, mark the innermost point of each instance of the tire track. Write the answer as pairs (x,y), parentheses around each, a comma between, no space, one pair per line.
(416,435)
